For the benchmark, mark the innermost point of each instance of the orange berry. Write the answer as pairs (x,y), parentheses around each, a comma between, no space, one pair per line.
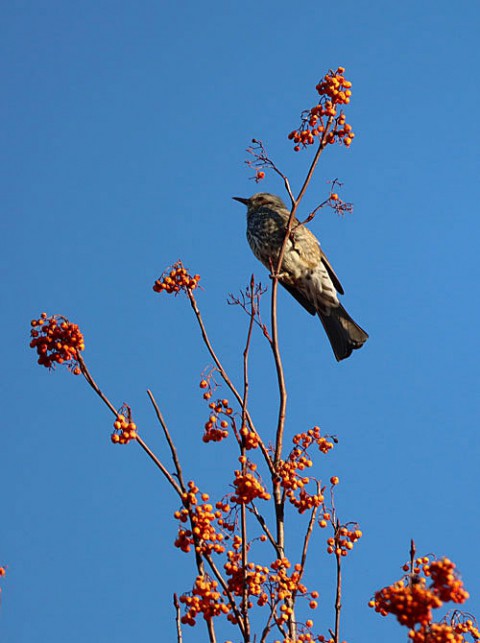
(334,480)
(203,384)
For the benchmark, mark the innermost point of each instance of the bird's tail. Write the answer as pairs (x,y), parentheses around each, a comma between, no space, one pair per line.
(343,333)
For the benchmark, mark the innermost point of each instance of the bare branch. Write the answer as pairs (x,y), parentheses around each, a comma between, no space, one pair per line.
(178,622)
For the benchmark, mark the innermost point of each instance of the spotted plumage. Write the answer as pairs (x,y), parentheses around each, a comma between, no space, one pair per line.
(305,271)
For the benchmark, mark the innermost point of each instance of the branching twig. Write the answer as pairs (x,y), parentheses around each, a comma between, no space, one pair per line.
(225,376)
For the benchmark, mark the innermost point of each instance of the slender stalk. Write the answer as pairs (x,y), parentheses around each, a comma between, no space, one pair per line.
(338,598)
(168,437)
(87,375)
(178,622)
(243,510)
(225,376)
(165,471)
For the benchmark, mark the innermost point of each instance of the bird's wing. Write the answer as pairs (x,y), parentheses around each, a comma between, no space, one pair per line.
(332,275)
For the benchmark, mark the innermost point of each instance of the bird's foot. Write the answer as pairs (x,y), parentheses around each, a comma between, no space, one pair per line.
(279,275)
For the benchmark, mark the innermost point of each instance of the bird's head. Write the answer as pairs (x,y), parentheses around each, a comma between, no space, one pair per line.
(262,200)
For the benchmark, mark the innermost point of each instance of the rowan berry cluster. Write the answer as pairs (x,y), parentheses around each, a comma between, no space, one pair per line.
(248,485)
(217,424)
(202,534)
(343,539)
(288,471)
(250,439)
(175,279)
(205,599)
(436,633)
(445,582)
(208,384)
(57,341)
(463,624)
(252,579)
(125,429)
(412,601)
(324,121)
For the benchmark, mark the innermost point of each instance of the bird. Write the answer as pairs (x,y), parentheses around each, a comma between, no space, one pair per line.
(305,272)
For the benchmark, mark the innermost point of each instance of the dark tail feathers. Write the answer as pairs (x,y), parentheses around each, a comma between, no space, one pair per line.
(343,333)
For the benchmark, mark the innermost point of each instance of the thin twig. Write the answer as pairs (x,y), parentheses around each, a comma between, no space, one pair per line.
(253,509)
(163,469)
(168,437)
(178,622)
(87,375)
(225,376)
(338,596)
(306,542)
(243,509)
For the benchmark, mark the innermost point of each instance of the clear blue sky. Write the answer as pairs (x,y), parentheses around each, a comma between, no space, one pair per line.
(124,130)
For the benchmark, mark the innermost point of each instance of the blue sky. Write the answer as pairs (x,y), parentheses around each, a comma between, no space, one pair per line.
(125,128)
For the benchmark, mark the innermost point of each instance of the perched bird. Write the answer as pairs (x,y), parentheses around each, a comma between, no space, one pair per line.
(305,271)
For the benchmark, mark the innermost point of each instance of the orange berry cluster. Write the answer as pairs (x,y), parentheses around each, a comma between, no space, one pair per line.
(250,439)
(445,582)
(299,460)
(216,428)
(465,625)
(411,601)
(175,279)
(284,586)
(313,436)
(247,484)
(203,534)
(57,341)
(343,540)
(334,90)
(252,579)
(205,599)
(125,429)
(436,633)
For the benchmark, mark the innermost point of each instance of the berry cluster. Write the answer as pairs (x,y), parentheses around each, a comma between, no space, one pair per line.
(313,436)
(445,583)
(412,601)
(288,471)
(436,633)
(202,534)
(343,539)
(209,384)
(323,121)
(253,578)
(283,587)
(247,485)
(409,600)
(215,427)
(465,625)
(204,599)
(57,341)
(125,429)
(175,279)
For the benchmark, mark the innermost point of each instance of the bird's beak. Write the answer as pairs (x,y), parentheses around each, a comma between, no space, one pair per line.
(241,199)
